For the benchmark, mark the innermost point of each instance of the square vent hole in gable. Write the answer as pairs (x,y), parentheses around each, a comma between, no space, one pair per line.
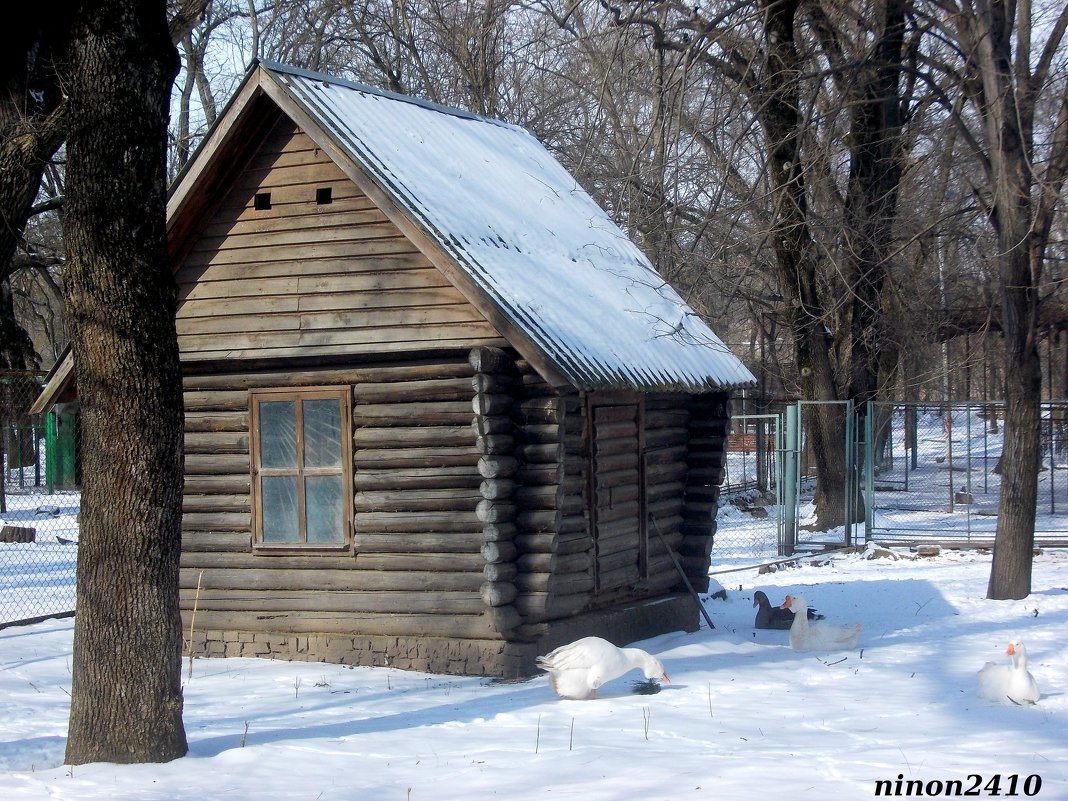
(262,201)
(324,195)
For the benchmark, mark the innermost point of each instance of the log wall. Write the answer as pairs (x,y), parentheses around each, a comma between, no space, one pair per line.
(666,434)
(553,540)
(419,578)
(705,457)
(493,386)
(642,447)
(654,468)
(472,510)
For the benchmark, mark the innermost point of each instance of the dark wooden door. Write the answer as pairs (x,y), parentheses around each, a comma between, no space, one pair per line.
(617,496)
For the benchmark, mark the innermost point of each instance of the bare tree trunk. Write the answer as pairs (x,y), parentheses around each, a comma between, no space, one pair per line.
(1006,94)
(1010,574)
(871,200)
(777,106)
(126,703)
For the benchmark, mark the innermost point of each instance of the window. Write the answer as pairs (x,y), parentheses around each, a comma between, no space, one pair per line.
(301,468)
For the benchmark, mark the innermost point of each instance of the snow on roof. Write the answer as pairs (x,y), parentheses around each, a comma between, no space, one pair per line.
(528,236)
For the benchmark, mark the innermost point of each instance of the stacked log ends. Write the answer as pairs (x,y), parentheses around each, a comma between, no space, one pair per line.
(493,385)
(709,417)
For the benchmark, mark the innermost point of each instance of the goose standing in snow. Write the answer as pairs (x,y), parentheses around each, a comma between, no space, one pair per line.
(818,635)
(576,670)
(775,617)
(1012,683)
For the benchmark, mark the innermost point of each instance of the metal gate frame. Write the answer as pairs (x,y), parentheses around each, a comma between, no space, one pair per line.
(792,452)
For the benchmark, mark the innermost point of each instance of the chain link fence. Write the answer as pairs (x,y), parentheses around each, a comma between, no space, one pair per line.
(750,519)
(931,475)
(935,473)
(39,502)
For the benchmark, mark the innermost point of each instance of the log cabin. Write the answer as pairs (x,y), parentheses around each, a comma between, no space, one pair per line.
(440,412)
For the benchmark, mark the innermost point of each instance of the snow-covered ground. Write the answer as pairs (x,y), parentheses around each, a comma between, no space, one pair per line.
(37,578)
(745,717)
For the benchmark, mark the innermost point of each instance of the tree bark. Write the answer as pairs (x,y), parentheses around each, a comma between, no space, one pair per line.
(776,101)
(126,703)
(1008,104)
(871,200)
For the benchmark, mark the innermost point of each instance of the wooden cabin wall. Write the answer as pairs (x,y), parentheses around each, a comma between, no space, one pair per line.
(645,439)
(410,596)
(706,457)
(303,278)
(666,434)
(558,550)
(553,542)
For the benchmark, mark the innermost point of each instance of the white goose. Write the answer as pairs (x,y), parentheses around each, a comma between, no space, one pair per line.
(818,635)
(577,669)
(1011,683)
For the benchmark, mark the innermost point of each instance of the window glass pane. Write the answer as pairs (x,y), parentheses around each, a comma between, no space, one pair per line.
(323,496)
(280,508)
(278,434)
(322,433)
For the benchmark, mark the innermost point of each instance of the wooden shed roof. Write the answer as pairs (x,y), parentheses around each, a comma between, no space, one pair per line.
(513,230)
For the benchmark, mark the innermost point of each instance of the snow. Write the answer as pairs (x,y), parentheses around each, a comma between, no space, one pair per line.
(744,717)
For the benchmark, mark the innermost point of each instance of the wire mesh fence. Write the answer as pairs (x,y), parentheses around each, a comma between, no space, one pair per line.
(916,474)
(39,502)
(750,517)
(935,472)
(925,473)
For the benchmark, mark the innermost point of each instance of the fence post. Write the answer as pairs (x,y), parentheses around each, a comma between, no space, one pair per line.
(791,453)
(869,468)
(50,452)
(852,484)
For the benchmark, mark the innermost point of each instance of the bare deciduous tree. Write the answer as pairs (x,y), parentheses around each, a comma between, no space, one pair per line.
(1008,80)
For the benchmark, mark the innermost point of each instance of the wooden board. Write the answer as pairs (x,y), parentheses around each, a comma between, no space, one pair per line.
(301,278)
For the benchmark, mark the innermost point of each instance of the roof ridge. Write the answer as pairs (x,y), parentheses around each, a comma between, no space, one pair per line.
(287,69)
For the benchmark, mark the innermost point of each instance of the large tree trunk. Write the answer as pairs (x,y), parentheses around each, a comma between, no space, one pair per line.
(871,199)
(126,703)
(776,102)
(1014,540)
(1007,101)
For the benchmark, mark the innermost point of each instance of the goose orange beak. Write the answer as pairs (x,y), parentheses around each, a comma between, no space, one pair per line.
(1010,650)
(665,678)
(786,604)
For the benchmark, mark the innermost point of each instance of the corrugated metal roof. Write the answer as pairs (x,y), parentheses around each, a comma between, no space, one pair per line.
(528,236)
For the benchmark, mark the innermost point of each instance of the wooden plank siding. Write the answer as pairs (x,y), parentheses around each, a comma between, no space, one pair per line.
(307,279)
